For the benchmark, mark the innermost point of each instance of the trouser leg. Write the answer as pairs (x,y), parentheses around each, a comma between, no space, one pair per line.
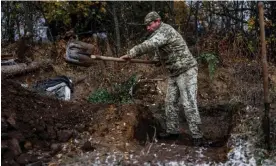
(171,107)
(187,83)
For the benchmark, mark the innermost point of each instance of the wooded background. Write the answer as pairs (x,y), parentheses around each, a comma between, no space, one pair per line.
(223,28)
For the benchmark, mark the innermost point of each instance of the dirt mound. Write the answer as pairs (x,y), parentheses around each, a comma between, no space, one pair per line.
(32,107)
(33,122)
(28,117)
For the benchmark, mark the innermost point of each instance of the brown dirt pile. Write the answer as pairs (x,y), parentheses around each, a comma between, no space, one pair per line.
(32,121)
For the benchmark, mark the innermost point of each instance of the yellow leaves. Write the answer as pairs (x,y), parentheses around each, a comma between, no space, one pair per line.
(181,11)
(251,23)
(17,6)
(61,10)
(102,10)
(268,23)
(85,13)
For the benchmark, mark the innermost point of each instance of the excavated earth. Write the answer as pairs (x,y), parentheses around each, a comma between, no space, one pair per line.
(39,130)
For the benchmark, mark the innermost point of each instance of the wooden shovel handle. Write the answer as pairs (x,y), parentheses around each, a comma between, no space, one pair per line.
(106,58)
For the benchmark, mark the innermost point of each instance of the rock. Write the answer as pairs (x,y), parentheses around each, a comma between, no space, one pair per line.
(26,158)
(55,148)
(64,135)
(87,146)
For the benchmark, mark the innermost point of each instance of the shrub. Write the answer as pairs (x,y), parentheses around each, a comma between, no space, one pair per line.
(212,61)
(121,93)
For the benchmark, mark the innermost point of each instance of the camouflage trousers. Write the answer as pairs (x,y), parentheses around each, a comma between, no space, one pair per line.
(183,89)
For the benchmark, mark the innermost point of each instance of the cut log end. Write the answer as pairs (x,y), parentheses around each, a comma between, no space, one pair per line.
(9,71)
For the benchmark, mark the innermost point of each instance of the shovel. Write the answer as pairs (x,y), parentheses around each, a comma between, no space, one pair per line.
(79,53)
(106,58)
(84,60)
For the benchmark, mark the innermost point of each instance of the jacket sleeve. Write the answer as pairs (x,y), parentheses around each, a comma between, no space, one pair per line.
(151,44)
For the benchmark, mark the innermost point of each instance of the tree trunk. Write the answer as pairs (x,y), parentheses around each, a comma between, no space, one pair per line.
(8,71)
(4,19)
(10,23)
(171,13)
(196,20)
(210,16)
(188,19)
(117,29)
(242,17)
(236,6)
(27,16)
(125,25)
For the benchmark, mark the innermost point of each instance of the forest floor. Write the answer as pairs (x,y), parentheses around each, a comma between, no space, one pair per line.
(40,130)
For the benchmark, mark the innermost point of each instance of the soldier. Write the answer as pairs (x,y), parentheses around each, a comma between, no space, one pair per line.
(172,51)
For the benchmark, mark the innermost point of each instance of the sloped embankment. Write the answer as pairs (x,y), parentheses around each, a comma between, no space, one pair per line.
(31,122)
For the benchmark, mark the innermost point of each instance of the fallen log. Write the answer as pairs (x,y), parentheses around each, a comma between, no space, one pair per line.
(22,68)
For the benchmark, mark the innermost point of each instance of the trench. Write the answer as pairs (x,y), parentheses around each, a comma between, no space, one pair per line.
(218,121)
(217,124)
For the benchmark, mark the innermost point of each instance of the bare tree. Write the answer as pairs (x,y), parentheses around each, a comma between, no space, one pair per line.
(27,16)
(196,20)
(116,27)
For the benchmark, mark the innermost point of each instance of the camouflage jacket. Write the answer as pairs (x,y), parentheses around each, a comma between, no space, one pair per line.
(170,48)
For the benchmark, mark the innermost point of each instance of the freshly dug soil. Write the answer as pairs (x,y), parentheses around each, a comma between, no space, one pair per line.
(33,123)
